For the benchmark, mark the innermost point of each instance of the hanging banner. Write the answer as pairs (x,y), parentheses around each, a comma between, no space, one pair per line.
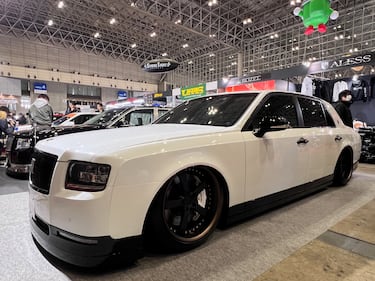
(193,91)
(160,65)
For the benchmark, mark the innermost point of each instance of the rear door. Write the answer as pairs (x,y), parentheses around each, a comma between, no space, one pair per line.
(323,143)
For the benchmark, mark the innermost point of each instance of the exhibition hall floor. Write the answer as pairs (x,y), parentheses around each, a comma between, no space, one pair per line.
(327,236)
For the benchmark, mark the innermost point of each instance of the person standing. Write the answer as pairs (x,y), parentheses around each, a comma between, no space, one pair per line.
(343,107)
(6,126)
(99,107)
(41,112)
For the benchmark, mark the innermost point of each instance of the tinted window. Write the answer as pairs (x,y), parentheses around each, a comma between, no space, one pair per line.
(82,118)
(105,117)
(220,110)
(280,106)
(312,112)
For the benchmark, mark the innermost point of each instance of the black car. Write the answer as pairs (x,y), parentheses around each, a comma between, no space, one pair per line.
(21,147)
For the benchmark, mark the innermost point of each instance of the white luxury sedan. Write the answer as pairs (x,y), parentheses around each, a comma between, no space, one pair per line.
(166,186)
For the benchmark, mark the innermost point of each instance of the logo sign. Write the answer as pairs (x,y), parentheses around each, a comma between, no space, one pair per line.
(251,79)
(158,95)
(256,78)
(40,88)
(193,91)
(348,62)
(160,65)
(122,95)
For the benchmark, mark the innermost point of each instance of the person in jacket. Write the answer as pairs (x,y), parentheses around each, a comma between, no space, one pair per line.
(41,112)
(343,107)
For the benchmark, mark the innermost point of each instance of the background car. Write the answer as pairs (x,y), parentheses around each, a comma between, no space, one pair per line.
(20,149)
(167,185)
(74,118)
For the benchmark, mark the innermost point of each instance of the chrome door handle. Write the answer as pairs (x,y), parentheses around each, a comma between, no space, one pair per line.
(302,140)
(338,138)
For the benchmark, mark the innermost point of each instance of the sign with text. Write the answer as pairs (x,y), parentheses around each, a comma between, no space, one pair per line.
(193,91)
(160,65)
(40,88)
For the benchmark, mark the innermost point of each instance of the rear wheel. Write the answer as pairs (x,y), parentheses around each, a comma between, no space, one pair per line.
(185,212)
(343,169)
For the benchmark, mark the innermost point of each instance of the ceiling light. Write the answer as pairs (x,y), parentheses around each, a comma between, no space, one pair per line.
(190,62)
(50,22)
(177,21)
(341,36)
(212,35)
(133,45)
(293,3)
(112,21)
(164,54)
(372,70)
(211,55)
(247,21)
(132,4)
(336,37)
(306,63)
(153,34)
(211,69)
(60,5)
(97,34)
(185,45)
(212,2)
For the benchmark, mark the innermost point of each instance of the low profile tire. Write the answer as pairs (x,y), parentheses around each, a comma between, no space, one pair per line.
(343,169)
(185,212)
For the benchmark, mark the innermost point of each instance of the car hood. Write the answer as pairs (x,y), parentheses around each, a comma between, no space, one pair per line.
(56,131)
(110,141)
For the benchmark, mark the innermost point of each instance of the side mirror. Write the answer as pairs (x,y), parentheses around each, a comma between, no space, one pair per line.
(271,124)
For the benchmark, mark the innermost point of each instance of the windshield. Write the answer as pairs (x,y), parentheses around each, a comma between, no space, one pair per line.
(220,110)
(106,117)
(60,120)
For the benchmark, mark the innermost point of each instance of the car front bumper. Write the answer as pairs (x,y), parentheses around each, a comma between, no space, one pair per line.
(18,169)
(84,251)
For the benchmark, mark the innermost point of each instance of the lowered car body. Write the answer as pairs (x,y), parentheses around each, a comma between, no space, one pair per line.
(166,186)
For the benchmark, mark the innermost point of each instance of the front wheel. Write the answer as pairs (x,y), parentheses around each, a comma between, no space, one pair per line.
(185,212)
(343,169)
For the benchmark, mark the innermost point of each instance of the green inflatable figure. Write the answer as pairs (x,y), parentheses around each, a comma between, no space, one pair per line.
(315,14)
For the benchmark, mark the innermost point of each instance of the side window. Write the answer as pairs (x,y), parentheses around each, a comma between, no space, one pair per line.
(281,106)
(312,112)
(137,118)
(79,120)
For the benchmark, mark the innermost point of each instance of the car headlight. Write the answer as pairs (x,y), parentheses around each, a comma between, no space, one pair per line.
(23,143)
(87,176)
